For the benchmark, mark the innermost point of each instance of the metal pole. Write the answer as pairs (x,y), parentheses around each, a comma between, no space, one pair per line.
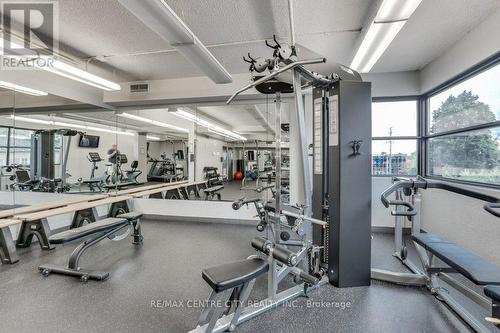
(65,161)
(304,160)
(278,153)
(257,159)
(292,26)
(272,281)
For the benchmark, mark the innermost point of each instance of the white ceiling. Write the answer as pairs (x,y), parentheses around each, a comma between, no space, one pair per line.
(433,28)
(232,28)
(103,29)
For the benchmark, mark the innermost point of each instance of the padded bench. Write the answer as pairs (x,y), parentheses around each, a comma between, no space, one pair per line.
(470,265)
(235,281)
(106,228)
(35,222)
(212,192)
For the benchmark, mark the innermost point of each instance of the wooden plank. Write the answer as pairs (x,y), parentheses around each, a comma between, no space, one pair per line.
(164,189)
(70,208)
(50,205)
(145,188)
(8,222)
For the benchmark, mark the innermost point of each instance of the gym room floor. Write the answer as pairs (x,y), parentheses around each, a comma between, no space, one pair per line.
(168,268)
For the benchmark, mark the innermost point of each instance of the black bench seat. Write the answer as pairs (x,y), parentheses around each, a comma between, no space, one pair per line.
(87,230)
(211,192)
(234,274)
(470,265)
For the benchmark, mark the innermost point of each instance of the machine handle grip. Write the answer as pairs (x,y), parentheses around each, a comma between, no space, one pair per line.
(411,211)
(492,208)
(384,197)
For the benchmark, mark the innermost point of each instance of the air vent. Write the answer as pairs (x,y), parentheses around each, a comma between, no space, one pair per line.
(140,87)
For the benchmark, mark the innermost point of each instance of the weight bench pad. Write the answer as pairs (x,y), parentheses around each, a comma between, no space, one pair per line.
(213,189)
(231,275)
(468,264)
(492,292)
(89,229)
(131,216)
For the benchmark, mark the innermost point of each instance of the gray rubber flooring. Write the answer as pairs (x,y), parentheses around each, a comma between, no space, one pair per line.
(167,268)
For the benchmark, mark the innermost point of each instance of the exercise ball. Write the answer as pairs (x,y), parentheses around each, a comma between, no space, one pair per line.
(238,175)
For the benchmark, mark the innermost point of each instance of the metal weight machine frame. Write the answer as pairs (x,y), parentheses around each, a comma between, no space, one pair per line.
(278,271)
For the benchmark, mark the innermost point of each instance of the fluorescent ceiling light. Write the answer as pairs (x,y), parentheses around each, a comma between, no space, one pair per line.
(391,16)
(159,17)
(69,125)
(152,122)
(21,89)
(211,127)
(73,73)
(68,71)
(154,138)
(221,134)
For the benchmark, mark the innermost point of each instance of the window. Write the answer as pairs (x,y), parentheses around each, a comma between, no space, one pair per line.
(469,156)
(473,102)
(58,142)
(15,146)
(394,131)
(20,146)
(463,141)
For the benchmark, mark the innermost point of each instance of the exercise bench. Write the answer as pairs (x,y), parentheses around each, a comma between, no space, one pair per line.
(212,192)
(476,269)
(234,281)
(95,232)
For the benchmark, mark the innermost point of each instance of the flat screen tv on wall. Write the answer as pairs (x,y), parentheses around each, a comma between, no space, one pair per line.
(88,141)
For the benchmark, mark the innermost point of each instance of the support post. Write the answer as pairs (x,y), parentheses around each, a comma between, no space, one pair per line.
(304,157)
(8,254)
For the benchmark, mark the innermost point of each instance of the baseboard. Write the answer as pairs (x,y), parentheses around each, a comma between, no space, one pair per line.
(176,218)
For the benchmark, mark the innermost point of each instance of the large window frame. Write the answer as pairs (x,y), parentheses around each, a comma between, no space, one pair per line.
(423,122)
(416,137)
(424,110)
(10,147)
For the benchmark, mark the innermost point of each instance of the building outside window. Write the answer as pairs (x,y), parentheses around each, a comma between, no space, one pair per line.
(394,142)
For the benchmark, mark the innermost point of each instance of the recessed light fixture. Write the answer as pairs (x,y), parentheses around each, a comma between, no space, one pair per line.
(61,68)
(69,125)
(210,126)
(21,89)
(152,122)
(391,16)
(73,73)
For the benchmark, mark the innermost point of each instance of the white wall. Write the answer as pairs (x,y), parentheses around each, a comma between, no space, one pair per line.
(394,84)
(79,166)
(463,220)
(479,44)
(208,153)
